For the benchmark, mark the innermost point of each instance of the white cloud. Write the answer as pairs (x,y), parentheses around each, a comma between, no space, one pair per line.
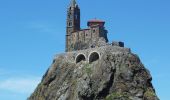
(20,85)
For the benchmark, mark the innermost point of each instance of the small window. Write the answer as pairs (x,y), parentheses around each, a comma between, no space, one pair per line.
(69,24)
(76,16)
(94,31)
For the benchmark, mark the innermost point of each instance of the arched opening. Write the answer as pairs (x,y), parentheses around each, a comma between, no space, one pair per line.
(93,57)
(80,58)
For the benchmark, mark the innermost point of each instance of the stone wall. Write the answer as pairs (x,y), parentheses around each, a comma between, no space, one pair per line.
(87,38)
(72,56)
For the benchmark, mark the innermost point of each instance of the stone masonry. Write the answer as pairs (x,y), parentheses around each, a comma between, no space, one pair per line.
(78,39)
(90,55)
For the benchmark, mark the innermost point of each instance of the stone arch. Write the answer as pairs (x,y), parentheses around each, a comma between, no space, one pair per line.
(80,57)
(93,57)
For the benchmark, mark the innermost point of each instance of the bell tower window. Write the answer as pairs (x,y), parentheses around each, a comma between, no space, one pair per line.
(76,16)
(69,24)
(94,30)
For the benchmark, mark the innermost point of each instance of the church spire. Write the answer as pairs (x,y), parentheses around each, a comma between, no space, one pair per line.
(73,3)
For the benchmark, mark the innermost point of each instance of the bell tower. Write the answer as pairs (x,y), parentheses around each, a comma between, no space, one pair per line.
(73,22)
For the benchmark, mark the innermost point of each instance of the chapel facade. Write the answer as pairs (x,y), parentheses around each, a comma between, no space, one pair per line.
(79,39)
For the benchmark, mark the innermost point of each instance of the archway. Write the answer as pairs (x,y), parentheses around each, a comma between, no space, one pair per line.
(93,57)
(80,58)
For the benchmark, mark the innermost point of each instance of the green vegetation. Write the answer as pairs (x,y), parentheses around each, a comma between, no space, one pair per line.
(149,93)
(87,65)
(74,82)
(117,96)
(88,69)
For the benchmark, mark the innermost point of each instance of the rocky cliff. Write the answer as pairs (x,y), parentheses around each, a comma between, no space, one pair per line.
(117,75)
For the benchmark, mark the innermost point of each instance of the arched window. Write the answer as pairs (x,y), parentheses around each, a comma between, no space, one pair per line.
(69,24)
(94,30)
(93,57)
(80,58)
(76,16)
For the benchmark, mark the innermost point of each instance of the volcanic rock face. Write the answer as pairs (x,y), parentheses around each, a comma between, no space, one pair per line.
(115,76)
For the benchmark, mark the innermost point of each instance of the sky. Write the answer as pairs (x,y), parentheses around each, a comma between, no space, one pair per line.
(32,32)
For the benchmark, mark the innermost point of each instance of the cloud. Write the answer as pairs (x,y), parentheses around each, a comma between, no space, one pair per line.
(20,85)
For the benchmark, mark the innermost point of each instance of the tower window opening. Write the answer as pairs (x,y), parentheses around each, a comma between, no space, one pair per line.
(94,31)
(69,24)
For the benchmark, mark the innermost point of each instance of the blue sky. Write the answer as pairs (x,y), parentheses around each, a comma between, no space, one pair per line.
(33,31)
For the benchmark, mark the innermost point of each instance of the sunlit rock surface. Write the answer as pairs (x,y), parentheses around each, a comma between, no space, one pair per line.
(116,74)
